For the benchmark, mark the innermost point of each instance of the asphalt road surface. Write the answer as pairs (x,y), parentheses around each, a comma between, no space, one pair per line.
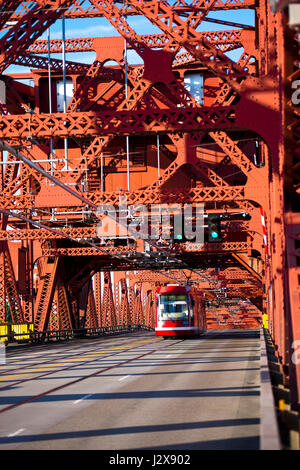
(135,392)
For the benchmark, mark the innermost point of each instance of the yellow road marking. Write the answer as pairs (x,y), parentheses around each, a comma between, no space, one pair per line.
(57,364)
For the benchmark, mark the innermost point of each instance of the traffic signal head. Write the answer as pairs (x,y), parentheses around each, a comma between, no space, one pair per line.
(214,228)
(178,238)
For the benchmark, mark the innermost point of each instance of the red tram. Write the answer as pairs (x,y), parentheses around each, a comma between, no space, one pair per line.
(179,312)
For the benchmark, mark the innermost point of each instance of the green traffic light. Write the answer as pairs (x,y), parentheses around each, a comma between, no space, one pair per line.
(214,228)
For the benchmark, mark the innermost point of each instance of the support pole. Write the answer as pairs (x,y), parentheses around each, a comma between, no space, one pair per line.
(127,137)
(101,174)
(66,167)
(50,98)
(158,157)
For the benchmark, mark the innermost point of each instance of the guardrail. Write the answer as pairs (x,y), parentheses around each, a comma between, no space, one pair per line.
(63,335)
(269,429)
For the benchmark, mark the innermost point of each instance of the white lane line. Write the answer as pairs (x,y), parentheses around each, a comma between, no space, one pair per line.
(83,398)
(123,378)
(16,433)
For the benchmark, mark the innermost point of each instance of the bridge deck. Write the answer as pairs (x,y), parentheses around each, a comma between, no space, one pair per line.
(134,392)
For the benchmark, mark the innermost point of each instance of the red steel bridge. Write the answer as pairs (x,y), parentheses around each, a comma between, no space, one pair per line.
(200,112)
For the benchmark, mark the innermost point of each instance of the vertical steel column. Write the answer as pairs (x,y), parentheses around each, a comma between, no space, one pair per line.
(66,167)
(127,137)
(3,318)
(290,57)
(101,174)
(50,98)
(98,298)
(158,156)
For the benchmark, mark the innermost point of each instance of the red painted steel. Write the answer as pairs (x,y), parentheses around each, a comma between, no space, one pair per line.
(141,132)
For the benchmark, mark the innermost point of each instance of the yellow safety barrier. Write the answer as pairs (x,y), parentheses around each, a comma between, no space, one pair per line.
(20,328)
(265,321)
(5,329)
(20,331)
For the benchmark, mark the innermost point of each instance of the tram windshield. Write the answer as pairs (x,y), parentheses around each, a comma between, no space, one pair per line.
(173,307)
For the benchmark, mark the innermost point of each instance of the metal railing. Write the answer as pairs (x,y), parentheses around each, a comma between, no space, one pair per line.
(63,335)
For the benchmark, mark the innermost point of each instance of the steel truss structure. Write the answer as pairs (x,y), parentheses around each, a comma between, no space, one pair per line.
(139,132)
